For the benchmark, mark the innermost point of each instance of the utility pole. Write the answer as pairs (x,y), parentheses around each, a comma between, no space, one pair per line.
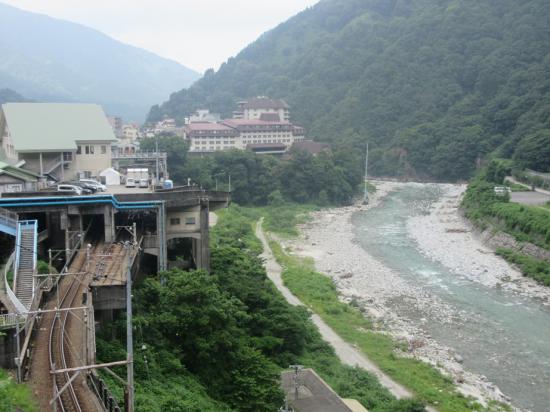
(297,369)
(157,158)
(18,359)
(229,182)
(129,344)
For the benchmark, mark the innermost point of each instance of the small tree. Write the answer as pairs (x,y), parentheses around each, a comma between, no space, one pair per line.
(276,198)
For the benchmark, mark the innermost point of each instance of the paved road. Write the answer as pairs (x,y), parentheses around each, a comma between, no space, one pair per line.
(529,198)
(538,190)
(346,352)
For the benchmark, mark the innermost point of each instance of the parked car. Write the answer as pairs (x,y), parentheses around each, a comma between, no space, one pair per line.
(69,189)
(86,188)
(100,187)
(130,182)
(168,184)
(143,183)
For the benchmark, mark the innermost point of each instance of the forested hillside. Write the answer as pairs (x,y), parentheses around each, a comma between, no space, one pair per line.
(435,85)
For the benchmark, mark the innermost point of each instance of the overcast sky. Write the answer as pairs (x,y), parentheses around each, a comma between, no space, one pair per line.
(199,34)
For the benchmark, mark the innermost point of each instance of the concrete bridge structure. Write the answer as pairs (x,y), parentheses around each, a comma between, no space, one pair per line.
(159,230)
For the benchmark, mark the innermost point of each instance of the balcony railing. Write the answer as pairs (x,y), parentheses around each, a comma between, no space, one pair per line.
(9,320)
(139,155)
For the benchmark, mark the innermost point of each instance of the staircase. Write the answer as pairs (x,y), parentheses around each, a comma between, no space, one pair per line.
(25,260)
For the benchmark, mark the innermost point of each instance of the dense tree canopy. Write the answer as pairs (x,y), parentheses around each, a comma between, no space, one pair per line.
(435,85)
(255,179)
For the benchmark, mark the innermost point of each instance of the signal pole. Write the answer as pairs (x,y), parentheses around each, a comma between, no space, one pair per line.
(129,344)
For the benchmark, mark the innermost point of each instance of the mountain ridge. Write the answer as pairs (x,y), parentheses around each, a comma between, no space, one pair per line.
(50,59)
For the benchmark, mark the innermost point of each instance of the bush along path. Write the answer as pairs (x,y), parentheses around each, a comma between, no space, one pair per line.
(345,351)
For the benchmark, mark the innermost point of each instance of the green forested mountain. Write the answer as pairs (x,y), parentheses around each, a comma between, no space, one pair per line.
(435,85)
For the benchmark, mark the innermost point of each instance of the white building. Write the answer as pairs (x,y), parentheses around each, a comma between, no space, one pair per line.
(204,115)
(263,108)
(257,135)
(62,140)
(130,132)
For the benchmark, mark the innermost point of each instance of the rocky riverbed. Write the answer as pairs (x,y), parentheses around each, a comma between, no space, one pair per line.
(444,235)
(360,277)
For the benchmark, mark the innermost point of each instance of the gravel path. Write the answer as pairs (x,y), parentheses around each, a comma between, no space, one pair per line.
(346,352)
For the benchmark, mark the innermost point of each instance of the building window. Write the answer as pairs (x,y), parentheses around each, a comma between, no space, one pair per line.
(90,150)
(175,221)
(68,156)
(79,150)
(103,149)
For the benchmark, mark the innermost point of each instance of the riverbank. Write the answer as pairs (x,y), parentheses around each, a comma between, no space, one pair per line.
(366,283)
(444,235)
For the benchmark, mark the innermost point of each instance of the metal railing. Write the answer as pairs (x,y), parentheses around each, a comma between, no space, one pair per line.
(10,320)
(14,300)
(139,155)
(103,393)
(8,219)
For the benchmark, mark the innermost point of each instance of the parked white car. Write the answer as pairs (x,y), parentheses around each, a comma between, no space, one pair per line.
(100,187)
(70,189)
(130,182)
(143,183)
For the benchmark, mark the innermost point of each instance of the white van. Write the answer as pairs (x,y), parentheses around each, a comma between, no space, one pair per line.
(130,182)
(143,183)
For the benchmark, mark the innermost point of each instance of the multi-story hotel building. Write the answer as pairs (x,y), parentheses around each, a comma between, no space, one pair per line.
(257,135)
(260,125)
(263,108)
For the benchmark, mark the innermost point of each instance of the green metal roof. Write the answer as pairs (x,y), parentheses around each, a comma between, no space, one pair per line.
(53,127)
(17,172)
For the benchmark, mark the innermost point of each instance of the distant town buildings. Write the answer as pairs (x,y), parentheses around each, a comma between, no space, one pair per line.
(64,141)
(260,125)
(116,124)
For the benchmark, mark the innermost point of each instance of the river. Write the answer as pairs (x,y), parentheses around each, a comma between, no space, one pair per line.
(499,334)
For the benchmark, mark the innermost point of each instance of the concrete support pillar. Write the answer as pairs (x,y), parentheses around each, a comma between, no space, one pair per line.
(204,246)
(162,257)
(194,251)
(109,223)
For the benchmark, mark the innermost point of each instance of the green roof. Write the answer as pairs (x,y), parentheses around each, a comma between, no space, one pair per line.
(17,172)
(53,127)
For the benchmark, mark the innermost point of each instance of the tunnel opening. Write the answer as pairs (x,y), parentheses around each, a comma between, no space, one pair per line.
(180,254)
(95,226)
(146,224)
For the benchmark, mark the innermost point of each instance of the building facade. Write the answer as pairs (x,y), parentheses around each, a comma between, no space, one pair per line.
(56,140)
(261,124)
(240,134)
(263,108)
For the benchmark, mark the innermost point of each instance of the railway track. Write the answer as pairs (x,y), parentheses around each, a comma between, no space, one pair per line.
(60,340)
(62,351)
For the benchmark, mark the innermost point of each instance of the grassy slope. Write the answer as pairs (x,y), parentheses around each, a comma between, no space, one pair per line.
(525,223)
(348,382)
(14,397)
